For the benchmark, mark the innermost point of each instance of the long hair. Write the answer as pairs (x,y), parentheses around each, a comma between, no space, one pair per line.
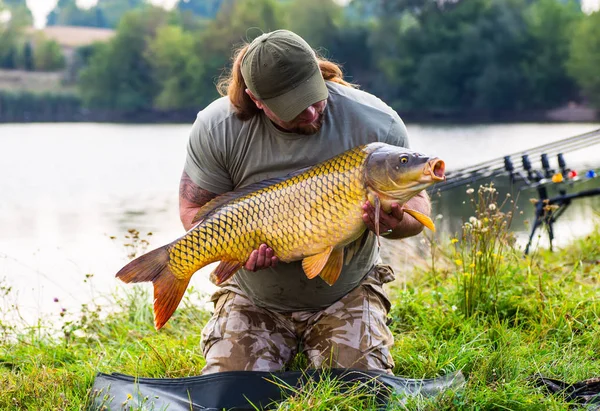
(232,83)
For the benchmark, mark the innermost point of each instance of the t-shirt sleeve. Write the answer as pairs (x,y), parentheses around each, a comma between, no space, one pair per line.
(397,134)
(205,161)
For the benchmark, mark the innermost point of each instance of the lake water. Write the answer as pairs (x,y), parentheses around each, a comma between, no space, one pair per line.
(66,189)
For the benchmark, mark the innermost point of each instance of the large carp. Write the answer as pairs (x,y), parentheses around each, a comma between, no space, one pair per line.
(310,215)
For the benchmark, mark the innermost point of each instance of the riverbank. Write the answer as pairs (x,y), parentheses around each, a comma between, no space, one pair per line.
(475,305)
(67,108)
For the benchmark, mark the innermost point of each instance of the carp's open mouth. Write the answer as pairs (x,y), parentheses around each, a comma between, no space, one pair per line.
(436,168)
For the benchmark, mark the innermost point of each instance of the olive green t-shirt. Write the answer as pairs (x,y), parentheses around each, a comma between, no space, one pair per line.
(225,153)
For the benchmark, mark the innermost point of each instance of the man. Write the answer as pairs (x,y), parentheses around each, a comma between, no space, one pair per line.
(284,109)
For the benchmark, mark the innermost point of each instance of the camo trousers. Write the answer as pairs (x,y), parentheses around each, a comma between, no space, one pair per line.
(351,333)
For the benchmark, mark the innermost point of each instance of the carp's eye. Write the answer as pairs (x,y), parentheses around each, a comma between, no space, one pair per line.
(404,159)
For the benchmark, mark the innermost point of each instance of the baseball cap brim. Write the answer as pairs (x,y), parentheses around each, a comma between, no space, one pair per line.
(289,105)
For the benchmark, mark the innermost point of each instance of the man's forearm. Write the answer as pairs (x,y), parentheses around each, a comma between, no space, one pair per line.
(191,199)
(409,226)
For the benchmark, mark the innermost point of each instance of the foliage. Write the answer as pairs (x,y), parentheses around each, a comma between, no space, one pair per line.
(67,13)
(479,252)
(584,60)
(48,56)
(550,26)
(317,21)
(175,70)
(119,75)
(203,8)
(106,13)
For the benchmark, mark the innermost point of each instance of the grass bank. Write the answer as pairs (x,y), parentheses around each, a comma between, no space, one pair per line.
(478,306)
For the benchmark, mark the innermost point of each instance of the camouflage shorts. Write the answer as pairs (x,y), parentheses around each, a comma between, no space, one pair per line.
(351,333)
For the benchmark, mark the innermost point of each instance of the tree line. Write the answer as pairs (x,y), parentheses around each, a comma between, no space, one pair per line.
(437,57)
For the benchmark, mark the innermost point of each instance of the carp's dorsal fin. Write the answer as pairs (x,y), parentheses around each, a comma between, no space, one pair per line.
(314,264)
(421,218)
(224,271)
(224,198)
(333,268)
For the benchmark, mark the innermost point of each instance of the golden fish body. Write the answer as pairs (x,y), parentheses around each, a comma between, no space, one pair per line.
(297,217)
(310,215)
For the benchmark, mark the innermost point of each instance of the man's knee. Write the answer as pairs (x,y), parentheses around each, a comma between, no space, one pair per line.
(240,336)
(353,333)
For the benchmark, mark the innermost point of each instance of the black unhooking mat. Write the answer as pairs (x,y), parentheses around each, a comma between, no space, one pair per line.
(238,390)
(583,392)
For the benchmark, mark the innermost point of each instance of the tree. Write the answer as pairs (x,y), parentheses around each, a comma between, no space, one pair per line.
(202,8)
(316,21)
(114,10)
(19,11)
(550,25)
(106,13)
(27,62)
(47,55)
(451,56)
(119,75)
(584,60)
(176,69)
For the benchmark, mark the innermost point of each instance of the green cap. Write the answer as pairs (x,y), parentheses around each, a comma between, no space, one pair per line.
(281,70)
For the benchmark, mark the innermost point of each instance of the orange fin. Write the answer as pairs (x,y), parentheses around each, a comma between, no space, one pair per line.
(421,218)
(314,264)
(333,268)
(224,271)
(168,289)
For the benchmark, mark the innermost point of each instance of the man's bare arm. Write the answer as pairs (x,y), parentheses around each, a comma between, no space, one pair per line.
(191,198)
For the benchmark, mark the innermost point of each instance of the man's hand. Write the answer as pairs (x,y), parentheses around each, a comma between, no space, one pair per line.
(387,222)
(261,258)
(401,227)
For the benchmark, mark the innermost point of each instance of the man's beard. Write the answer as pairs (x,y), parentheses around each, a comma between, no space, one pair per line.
(309,129)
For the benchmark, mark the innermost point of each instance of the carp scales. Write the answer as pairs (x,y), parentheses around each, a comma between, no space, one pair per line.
(310,215)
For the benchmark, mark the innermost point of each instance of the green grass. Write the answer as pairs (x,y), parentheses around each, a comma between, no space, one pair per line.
(540,316)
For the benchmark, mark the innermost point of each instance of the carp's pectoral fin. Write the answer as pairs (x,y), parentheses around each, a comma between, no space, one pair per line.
(224,271)
(333,268)
(314,264)
(421,218)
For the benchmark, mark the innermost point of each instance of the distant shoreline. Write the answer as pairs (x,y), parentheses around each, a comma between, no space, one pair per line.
(187,116)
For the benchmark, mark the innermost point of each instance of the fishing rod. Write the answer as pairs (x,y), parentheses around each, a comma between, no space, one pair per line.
(505,164)
(547,209)
(564,145)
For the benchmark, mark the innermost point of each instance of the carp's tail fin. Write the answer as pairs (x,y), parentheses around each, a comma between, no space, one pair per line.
(168,288)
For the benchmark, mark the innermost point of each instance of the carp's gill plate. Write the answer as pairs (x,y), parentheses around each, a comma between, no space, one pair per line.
(310,215)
